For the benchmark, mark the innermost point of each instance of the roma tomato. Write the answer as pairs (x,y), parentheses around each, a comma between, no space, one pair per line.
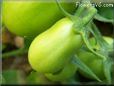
(96,65)
(52,49)
(66,73)
(29,18)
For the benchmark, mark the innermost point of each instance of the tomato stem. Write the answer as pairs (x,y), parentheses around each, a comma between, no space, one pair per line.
(85,12)
(84,37)
(91,12)
(82,7)
(80,13)
(63,11)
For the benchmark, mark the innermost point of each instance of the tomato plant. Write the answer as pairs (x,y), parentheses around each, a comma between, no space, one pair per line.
(61,40)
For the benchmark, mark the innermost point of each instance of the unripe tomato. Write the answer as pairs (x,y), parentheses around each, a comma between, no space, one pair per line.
(66,73)
(51,50)
(29,18)
(91,60)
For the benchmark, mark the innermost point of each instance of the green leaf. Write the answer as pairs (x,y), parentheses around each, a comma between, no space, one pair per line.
(84,68)
(107,70)
(1,78)
(103,19)
(36,78)
(12,77)
(74,80)
(106,12)
(112,73)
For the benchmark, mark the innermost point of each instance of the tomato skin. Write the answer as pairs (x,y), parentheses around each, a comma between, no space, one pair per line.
(96,65)
(30,18)
(66,73)
(51,50)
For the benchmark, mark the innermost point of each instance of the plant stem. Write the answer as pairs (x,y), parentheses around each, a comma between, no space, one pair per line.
(14,53)
(85,12)
(91,12)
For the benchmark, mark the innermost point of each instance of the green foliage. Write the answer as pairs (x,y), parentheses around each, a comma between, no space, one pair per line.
(12,77)
(105,14)
(37,78)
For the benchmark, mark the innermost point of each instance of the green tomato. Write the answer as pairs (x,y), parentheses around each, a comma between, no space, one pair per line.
(96,65)
(29,18)
(66,73)
(52,49)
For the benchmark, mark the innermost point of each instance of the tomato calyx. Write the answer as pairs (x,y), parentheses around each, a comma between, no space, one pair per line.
(80,14)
